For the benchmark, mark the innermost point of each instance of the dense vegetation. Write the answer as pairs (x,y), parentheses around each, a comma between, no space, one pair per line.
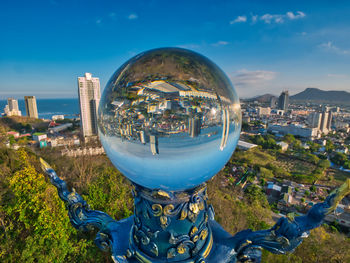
(34,225)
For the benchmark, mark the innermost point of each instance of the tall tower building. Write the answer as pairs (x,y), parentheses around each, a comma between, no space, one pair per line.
(31,108)
(324,122)
(89,99)
(329,121)
(13,104)
(11,108)
(321,120)
(273,102)
(315,120)
(194,126)
(283,101)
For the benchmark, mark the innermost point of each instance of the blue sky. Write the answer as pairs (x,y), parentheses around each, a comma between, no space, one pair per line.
(263,46)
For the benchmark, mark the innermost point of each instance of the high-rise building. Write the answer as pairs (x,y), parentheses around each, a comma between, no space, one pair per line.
(154,144)
(283,101)
(89,99)
(329,121)
(324,122)
(273,101)
(314,120)
(13,104)
(11,109)
(31,108)
(194,126)
(321,120)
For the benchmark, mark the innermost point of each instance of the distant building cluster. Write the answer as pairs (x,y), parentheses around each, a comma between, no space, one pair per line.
(278,117)
(11,109)
(90,151)
(296,130)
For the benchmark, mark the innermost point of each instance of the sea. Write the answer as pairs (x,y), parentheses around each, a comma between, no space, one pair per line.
(49,107)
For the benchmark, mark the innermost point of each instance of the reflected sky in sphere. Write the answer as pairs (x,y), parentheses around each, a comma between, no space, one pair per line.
(169,118)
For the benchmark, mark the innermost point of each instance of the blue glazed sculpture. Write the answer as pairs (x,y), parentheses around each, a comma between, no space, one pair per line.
(180,227)
(169,120)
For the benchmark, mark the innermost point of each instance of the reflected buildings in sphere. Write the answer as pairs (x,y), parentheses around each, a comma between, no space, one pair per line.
(169,118)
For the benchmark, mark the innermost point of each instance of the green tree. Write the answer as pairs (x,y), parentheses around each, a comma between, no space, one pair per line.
(346,165)
(314,147)
(324,164)
(329,146)
(109,192)
(289,138)
(265,173)
(312,158)
(255,194)
(37,228)
(313,188)
(245,126)
(12,139)
(339,158)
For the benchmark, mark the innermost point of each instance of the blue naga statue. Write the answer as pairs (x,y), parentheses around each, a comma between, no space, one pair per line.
(180,227)
(169,119)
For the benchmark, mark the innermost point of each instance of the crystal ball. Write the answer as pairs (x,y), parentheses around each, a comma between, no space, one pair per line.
(169,119)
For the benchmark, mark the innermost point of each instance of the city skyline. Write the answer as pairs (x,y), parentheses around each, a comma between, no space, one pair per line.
(263,47)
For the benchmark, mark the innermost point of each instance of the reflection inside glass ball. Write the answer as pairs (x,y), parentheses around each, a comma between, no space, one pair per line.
(169,118)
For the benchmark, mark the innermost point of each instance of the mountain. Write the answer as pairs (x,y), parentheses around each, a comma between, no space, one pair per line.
(266,98)
(317,95)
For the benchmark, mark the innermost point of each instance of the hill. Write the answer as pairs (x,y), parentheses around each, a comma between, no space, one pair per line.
(317,95)
(266,98)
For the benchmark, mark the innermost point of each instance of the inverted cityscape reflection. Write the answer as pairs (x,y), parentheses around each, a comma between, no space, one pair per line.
(169,118)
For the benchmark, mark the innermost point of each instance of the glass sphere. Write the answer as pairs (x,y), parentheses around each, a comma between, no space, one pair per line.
(169,119)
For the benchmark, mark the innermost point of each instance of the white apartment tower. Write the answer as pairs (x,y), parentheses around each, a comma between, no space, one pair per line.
(321,120)
(315,120)
(89,99)
(11,108)
(31,108)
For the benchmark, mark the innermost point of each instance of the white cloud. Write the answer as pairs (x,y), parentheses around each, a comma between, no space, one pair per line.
(330,47)
(293,16)
(98,21)
(337,76)
(270,18)
(220,43)
(239,19)
(254,18)
(252,78)
(280,18)
(133,16)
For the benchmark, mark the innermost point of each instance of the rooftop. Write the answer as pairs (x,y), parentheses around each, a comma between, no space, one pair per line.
(38,133)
